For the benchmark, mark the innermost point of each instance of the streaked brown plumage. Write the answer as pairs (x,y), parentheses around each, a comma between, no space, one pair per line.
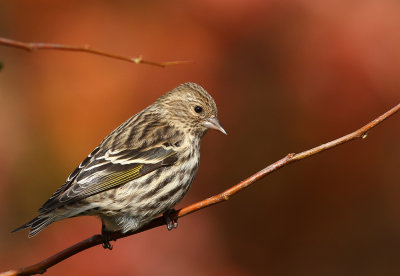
(142,169)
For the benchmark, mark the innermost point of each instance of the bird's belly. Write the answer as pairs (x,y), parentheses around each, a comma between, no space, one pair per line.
(134,204)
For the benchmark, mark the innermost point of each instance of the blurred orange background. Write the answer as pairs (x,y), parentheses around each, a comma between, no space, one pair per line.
(286,76)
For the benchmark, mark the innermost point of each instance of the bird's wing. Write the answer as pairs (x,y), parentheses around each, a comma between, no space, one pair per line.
(102,171)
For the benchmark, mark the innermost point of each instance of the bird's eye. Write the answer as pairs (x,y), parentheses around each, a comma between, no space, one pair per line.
(198,109)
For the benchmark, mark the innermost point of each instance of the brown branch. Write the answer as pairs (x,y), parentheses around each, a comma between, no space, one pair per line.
(32,46)
(42,266)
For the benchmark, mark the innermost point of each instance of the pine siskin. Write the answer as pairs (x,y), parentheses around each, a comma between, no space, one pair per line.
(139,171)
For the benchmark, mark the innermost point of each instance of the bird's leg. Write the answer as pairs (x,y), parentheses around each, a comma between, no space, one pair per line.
(172,223)
(107,237)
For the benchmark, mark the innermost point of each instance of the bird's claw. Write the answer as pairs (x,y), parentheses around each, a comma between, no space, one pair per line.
(107,245)
(172,223)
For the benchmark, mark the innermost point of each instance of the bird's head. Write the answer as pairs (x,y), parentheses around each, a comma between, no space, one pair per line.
(190,107)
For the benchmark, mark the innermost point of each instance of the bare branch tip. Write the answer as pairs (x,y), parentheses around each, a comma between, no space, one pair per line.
(33,46)
(179,62)
(172,63)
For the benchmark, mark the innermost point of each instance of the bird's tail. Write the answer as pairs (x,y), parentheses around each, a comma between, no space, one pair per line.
(36,225)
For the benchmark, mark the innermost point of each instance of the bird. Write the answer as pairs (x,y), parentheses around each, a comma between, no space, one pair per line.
(141,170)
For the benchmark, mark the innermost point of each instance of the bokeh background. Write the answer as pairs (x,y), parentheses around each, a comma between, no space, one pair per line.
(286,75)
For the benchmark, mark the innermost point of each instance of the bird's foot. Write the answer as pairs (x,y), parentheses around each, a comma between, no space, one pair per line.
(107,238)
(172,223)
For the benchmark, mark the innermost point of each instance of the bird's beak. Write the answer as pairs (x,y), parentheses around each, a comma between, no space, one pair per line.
(215,124)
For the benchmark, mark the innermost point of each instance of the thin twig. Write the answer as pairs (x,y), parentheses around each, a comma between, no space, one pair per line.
(32,46)
(42,266)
